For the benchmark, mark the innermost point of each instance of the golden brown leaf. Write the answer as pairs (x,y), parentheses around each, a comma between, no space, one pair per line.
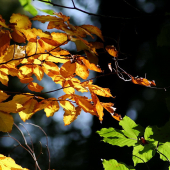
(70,116)
(22,21)
(6,122)
(35,87)
(68,69)
(112,50)
(143,81)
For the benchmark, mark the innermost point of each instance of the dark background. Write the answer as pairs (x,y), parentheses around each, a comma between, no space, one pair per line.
(134,32)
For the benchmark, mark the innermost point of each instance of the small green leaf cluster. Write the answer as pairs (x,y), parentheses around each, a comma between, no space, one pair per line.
(145,142)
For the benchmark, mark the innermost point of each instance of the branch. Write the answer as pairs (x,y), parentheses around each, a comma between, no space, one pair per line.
(100,15)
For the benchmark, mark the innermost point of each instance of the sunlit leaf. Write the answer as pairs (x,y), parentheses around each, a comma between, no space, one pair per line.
(7,163)
(70,116)
(35,87)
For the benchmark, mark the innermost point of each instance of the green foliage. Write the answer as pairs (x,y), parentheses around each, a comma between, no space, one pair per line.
(112,164)
(144,148)
(28,7)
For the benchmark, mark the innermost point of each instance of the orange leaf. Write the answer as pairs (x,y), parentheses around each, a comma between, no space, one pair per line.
(112,50)
(84,103)
(143,81)
(116,116)
(5,41)
(35,87)
(68,69)
(90,66)
(26,80)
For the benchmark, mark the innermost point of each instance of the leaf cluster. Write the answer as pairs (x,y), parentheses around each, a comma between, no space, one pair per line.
(145,142)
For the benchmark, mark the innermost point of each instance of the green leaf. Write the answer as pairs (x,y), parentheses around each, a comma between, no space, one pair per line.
(110,132)
(116,137)
(164,151)
(142,154)
(131,129)
(48,11)
(112,164)
(28,7)
(123,141)
(148,133)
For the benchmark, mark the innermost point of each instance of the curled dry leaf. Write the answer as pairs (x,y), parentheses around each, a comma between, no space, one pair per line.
(143,81)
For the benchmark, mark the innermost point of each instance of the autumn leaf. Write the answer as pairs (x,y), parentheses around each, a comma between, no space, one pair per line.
(3,96)
(7,163)
(35,87)
(5,41)
(93,30)
(52,107)
(28,111)
(6,122)
(143,81)
(111,50)
(22,21)
(68,69)
(70,116)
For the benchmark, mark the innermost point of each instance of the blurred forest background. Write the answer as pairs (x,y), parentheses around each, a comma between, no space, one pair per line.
(140,30)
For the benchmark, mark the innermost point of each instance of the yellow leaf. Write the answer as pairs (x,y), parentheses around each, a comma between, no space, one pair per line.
(100,91)
(3,96)
(68,69)
(52,107)
(6,122)
(58,79)
(70,116)
(38,71)
(35,87)
(27,70)
(67,105)
(50,68)
(76,83)
(7,163)
(82,71)
(59,37)
(67,88)
(29,108)
(22,21)
(4,78)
